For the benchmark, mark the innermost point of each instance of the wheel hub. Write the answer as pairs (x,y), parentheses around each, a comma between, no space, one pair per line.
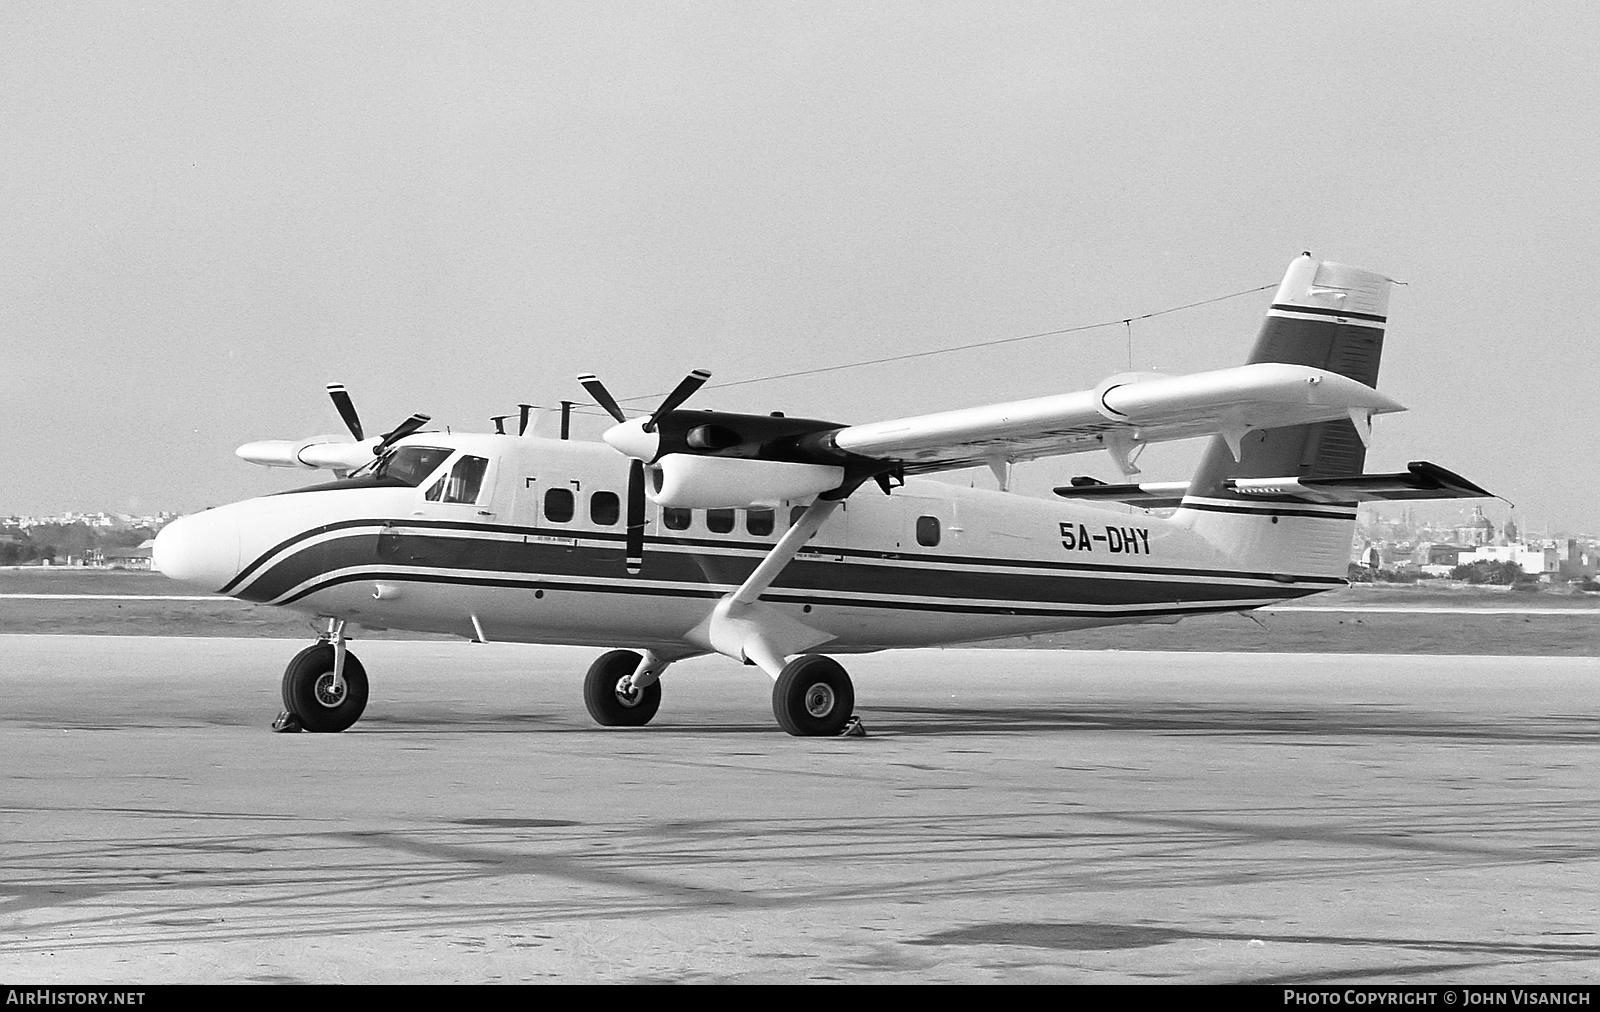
(327,692)
(627,693)
(819,699)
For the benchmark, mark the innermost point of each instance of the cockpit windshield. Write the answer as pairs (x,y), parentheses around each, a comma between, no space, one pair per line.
(408,466)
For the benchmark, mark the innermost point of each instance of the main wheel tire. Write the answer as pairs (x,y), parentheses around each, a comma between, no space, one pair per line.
(813,697)
(608,705)
(308,690)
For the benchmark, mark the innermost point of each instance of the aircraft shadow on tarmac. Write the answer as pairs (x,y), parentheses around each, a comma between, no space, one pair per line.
(1094,936)
(1209,719)
(1361,721)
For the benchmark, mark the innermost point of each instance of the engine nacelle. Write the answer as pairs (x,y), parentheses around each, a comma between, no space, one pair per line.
(694,482)
(316,452)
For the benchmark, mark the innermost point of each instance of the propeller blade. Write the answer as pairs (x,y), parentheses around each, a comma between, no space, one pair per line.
(590,382)
(635,544)
(347,409)
(401,431)
(682,392)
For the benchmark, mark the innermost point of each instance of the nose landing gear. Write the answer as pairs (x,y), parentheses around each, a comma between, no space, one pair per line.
(324,686)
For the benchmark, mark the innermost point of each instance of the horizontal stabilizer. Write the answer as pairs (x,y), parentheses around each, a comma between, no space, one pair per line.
(1151,495)
(1420,480)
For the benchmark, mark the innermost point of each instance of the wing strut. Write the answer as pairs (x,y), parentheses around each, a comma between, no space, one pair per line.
(784,551)
(742,627)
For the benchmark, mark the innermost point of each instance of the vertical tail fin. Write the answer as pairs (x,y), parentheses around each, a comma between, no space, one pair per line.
(1324,315)
(1329,316)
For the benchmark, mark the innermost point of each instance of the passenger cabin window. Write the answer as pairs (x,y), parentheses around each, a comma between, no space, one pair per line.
(759,522)
(462,484)
(558,504)
(677,518)
(604,508)
(927,531)
(719,521)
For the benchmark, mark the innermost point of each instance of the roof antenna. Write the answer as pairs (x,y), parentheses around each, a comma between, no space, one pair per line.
(522,425)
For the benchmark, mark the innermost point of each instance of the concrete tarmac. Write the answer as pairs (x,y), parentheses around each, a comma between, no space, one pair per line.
(1013,816)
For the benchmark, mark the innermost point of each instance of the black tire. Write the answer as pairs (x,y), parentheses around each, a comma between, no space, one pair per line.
(813,697)
(306,684)
(607,706)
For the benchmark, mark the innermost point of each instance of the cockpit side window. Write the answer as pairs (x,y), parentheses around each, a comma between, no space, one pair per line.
(462,484)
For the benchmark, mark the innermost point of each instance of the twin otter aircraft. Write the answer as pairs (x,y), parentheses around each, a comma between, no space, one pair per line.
(780,542)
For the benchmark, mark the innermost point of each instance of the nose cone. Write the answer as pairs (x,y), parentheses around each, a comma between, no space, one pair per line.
(201,550)
(631,439)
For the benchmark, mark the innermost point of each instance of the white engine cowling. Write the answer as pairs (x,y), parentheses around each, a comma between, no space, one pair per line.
(692,482)
(316,452)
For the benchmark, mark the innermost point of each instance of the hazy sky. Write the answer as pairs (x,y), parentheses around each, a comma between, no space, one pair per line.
(212,210)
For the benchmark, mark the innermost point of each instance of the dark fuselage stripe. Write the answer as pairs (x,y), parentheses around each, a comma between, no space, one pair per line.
(776,595)
(925,563)
(819,575)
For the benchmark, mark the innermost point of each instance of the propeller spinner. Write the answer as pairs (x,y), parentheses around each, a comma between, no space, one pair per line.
(638,438)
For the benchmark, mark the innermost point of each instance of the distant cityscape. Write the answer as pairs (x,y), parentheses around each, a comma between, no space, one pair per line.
(115,540)
(1406,548)
(1474,549)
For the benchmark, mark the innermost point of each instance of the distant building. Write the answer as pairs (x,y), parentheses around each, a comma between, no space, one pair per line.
(1478,530)
(1534,560)
(1577,560)
(1444,555)
(130,558)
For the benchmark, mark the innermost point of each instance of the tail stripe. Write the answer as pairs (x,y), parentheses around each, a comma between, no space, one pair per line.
(1276,511)
(1319,312)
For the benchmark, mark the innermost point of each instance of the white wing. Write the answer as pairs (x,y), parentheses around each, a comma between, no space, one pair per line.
(1121,415)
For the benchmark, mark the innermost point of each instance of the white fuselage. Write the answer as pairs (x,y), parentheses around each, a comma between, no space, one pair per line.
(930,564)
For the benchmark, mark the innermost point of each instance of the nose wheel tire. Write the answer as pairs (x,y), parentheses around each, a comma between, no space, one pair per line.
(609,703)
(813,697)
(310,694)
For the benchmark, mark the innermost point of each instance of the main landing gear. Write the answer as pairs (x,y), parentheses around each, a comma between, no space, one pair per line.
(324,686)
(812,697)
